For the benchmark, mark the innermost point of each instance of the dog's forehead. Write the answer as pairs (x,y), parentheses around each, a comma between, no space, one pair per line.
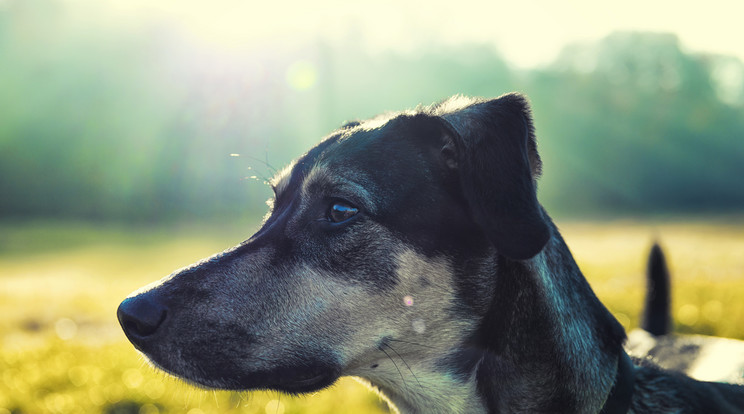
(360,155)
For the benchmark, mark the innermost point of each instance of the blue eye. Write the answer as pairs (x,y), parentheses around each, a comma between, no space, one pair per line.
(340,212)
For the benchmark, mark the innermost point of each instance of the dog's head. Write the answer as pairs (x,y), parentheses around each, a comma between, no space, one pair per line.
(382,241)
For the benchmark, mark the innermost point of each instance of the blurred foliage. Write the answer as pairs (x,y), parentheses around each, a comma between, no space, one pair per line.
(137,122)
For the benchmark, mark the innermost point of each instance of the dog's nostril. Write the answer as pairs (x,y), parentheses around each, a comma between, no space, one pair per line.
(139,328)
(141,316)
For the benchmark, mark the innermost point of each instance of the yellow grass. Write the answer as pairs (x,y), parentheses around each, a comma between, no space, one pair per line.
(61,350)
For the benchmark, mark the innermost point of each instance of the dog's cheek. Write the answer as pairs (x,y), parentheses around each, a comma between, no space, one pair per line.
(420,309)
(361,253)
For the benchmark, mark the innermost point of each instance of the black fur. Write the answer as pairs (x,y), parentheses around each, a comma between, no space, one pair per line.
(498,165)
(454,185)
(660,391)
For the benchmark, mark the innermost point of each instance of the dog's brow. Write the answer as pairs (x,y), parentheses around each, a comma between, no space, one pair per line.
(349,186)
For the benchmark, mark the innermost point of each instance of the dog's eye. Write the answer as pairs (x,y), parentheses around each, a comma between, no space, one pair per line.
(340,212)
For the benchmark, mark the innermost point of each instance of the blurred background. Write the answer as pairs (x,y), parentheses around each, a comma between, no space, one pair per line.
(136,138)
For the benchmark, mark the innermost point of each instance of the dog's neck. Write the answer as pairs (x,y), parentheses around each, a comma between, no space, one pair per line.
(550,344)
(545,345)
(431,391)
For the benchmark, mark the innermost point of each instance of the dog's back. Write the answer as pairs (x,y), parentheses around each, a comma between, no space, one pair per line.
(662,391)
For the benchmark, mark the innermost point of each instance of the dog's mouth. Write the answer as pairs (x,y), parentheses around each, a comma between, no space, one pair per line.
(305,377)
(285,379)
(310,383)
(275,381)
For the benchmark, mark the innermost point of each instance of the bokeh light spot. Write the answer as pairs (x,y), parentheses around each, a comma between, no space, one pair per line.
(149,409)
(155,389)
(96,396)
(78,375)
(713,310)
(132,378)
(65,328)
(408,300)
(688,314)
(302,75)
(58,403)
(275,407)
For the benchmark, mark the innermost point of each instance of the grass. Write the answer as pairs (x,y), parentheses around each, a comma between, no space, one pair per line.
(61,350)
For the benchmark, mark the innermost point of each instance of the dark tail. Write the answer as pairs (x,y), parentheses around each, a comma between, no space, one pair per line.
(657,317)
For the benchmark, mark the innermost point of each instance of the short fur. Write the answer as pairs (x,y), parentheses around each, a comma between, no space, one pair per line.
(449,291)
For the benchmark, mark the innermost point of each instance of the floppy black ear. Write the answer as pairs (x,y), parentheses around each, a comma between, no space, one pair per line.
(498,164)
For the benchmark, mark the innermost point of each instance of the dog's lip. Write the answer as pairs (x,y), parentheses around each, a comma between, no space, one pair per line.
(307,384)
(308,381)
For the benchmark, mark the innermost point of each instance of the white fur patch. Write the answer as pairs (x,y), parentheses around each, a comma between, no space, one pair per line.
(415,323)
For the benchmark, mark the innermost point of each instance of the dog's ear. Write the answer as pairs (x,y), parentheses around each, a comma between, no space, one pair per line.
(492,146)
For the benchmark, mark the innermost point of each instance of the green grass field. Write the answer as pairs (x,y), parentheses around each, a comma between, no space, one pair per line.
(63,352)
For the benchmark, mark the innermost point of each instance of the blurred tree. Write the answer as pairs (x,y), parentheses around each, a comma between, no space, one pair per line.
(638,128)
(113,122)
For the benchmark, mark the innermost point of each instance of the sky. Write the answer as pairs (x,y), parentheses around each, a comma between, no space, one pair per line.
(528,33)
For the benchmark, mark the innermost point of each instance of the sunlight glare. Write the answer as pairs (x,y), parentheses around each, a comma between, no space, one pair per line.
(532,35)
(302,75)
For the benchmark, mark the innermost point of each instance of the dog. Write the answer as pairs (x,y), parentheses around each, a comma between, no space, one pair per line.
(410,250)
(701,357)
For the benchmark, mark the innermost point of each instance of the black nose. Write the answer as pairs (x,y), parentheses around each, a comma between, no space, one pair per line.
(140,316)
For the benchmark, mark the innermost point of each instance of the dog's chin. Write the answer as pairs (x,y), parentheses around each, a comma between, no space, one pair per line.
(302,385)
(311,376)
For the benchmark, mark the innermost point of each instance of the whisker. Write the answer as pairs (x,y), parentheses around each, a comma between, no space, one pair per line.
(396,366)
(258,175)
(405,363)
(264,162)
